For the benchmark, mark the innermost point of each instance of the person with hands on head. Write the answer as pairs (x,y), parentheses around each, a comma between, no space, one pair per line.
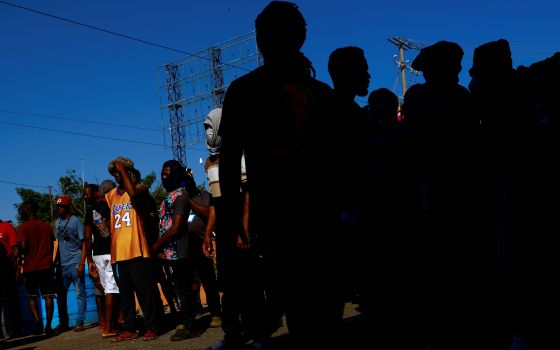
(129,248)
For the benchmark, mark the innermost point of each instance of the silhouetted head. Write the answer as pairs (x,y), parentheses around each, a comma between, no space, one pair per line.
(492,59)
(281,31)
(173,175)
(211,126)
(349,71)
(440,63)
(383,105)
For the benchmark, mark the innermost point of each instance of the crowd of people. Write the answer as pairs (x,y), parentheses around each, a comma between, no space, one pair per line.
(435,216)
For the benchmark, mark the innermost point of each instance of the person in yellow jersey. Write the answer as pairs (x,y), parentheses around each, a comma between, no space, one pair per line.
(129,248)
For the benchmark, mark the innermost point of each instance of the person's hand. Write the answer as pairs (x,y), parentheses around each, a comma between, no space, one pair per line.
(243,242)
(207,248)
(93,271)
(120,166)
(81,270)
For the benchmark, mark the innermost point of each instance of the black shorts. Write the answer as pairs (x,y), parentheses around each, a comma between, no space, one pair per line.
(40,279)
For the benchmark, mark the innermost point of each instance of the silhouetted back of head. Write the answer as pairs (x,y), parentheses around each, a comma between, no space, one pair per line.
(383,104)
(348,69)
(281,30)
(440,63)
(492,59)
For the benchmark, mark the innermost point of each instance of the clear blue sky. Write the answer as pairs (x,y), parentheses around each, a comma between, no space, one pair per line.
(52,67)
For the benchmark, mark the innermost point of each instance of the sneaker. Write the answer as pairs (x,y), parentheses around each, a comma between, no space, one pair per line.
(126,335)
(150,335)
(216,322)
(61,329)
(79,328)
(182,333)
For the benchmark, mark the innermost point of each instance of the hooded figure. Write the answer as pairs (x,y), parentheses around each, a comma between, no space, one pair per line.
(212,125)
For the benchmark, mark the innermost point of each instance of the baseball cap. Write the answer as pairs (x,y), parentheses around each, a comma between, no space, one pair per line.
(63,200)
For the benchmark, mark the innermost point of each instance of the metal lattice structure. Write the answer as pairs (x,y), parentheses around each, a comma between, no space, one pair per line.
(196,84)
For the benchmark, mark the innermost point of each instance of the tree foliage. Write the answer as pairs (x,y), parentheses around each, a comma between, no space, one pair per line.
(70,185)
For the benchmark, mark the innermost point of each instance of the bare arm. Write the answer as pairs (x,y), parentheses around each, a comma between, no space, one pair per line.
(126,180)
(92,268)
(199,209)
(207,244)
(178,221)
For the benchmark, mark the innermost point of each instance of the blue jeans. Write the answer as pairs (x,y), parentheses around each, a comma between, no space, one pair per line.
(65,277)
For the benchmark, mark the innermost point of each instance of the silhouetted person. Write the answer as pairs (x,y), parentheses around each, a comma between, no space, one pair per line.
(519,136)
(279,116)
(348,69)
(441,131)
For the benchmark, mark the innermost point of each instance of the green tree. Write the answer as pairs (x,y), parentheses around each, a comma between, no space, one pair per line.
(42,199)
(70,185)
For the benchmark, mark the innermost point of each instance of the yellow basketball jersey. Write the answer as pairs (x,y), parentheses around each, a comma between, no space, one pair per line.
(128,240)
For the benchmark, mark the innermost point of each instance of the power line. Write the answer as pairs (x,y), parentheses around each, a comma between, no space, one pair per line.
(115,33)
(82,134)
(78,120)
(92,136)
(19,184)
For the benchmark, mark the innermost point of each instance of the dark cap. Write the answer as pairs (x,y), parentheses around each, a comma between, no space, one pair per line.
(444,53)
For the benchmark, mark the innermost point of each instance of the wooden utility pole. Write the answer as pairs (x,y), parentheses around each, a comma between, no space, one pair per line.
(403,44)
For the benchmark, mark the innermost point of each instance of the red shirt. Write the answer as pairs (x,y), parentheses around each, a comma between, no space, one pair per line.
(38,241)
(7,236)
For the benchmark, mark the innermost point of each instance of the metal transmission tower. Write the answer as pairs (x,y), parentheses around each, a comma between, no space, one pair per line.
(175,110)
(196,84)
(402,65)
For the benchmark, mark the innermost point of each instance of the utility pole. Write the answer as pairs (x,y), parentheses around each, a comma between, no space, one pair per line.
(404,44)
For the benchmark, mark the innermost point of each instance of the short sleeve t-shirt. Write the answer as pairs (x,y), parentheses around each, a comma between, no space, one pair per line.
(70,234)
(175,203)
(100,245)
(7,236)
(196,224)
(38,241)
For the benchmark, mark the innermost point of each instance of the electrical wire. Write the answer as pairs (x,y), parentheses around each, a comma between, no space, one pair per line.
(83,134)
(78,120)
(116,34)
(20,184)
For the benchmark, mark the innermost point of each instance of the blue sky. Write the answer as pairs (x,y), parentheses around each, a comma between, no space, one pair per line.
(55,68)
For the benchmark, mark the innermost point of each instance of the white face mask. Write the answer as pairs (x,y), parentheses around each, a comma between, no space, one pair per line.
(212,125)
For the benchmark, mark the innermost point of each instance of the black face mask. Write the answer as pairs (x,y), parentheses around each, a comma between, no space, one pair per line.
(176,176)
(170,183)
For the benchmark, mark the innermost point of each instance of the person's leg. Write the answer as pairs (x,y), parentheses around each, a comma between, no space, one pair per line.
(183,275)
(205,270)
(127,295)
(141,278)
(106,276)
(80,288)
(49,308)
(61,303)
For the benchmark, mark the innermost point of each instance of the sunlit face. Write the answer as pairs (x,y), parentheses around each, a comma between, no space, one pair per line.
(165,172)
